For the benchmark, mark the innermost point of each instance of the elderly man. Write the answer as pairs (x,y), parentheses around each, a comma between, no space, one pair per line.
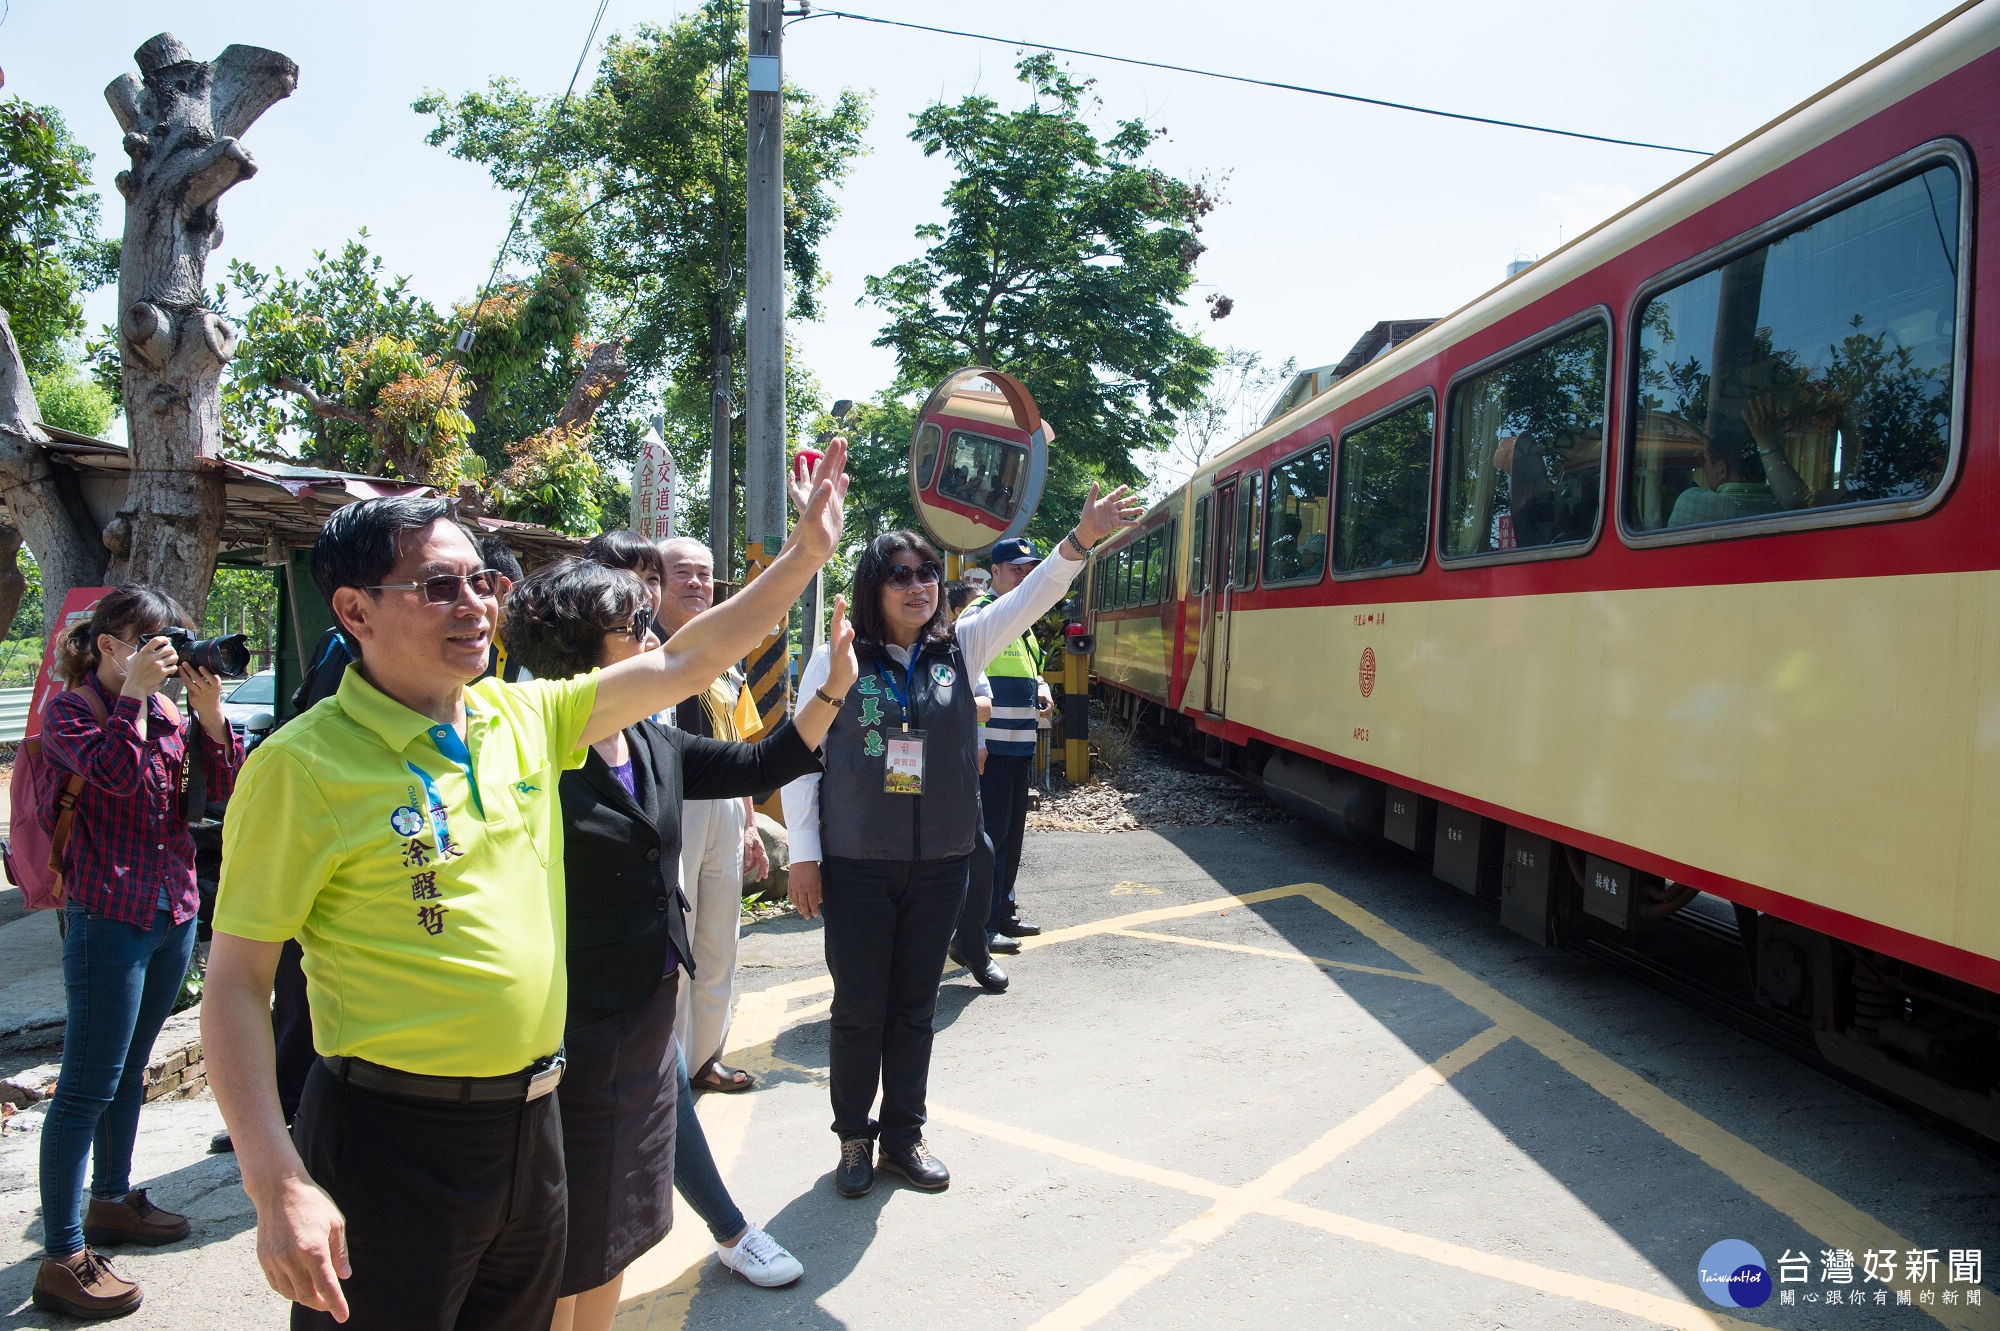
(1020,699)
(718,837)
(407,832)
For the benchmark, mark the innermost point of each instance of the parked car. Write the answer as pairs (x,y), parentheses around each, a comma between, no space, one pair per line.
(252,707)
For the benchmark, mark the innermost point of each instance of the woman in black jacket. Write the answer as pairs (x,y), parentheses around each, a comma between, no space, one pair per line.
(627,940)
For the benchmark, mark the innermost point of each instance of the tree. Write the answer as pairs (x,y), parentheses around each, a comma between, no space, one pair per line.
(183,119)
(640,181)
(1063,262)
(50,254)
(1240,381)
(348,360)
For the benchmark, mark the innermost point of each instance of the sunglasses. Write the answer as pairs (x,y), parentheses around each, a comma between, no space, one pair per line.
(902,575)
(444,589)
(641,625)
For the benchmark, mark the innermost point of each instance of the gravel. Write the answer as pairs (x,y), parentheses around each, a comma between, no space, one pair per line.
(1153,788)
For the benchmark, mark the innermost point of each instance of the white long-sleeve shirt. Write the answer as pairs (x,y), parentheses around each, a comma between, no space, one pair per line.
(983,633)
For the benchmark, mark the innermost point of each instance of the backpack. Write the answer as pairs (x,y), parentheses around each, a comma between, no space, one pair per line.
(322,679)
(40,815)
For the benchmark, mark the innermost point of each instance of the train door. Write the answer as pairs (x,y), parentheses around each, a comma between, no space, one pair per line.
(1213,662)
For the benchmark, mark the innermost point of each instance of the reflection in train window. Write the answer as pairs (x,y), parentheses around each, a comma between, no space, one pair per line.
(1156,558)
(1525,449)
(983,472)
(928,439)
(1168,534)
(1808,373)
(1198,549)
(1246,530)
(1382,505)
(1295,516)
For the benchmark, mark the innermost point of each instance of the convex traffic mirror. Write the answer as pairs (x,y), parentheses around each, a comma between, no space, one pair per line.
(978,460)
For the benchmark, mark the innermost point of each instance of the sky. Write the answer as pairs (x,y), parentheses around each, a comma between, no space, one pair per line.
(1335,215)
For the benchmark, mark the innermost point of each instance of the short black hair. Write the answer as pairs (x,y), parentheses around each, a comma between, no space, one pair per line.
(493,553)
(958,595)
(557,616)
(362,543)
(627,550)
(864,606)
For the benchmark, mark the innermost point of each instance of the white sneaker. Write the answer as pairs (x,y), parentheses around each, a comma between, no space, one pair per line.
(760,1259)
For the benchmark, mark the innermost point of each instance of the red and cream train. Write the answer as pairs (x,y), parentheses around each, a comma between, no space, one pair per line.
(1670,565)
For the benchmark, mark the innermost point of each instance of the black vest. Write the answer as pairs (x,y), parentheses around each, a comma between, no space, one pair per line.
(858,818)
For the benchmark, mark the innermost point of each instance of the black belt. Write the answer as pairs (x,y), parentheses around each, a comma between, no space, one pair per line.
(531,1083)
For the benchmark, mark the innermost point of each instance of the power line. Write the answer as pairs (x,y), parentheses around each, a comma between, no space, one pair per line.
(1260,83)
(466,335)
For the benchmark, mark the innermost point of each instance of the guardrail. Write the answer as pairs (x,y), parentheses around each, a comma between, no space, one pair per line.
(14,704)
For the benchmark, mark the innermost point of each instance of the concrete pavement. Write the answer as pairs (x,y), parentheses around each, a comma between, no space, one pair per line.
(1248,1078)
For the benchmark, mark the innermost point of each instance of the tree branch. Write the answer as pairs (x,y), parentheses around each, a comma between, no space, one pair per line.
(324,406)
(249,80)
(602,372)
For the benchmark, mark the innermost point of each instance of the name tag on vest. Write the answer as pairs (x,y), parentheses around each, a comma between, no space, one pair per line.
(903,772)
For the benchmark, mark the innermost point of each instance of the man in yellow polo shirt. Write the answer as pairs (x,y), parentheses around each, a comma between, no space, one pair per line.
(406,831)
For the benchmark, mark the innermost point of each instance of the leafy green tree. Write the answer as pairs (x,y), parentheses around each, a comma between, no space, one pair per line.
(640,180)
(1064,262)
(50,252)
(71,400)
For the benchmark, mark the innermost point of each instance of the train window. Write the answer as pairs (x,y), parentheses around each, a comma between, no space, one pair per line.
(982,472)
(1295,516)
(1168,568)
(1524,449)
(1382,505)
(928,439)
(1813,372)
(1198,549)
(1246,530)
(1156,564)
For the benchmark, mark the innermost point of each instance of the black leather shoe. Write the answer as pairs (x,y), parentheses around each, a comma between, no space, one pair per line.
(917,1165)
(991,978)
(1002,944)
(856,1174)
(1019,928)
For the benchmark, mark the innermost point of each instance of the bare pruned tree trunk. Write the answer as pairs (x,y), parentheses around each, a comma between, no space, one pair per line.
(182,118)
(43,503)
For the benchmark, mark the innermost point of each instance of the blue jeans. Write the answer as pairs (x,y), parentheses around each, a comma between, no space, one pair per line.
(121,981)
(695,1175)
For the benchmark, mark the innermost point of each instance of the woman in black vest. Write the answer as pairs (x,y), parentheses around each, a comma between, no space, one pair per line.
(627,940)
(883,841)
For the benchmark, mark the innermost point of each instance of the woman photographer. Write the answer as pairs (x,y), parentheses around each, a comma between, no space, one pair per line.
(128,877)
(885,840)
(626,938)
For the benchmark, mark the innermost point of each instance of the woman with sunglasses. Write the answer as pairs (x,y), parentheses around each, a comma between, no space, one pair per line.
(128,874)
(627,940)
(883,842)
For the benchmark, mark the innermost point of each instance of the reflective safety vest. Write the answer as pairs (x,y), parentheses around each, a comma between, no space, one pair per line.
(1016,675)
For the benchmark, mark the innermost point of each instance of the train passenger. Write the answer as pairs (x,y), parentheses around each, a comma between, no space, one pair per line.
(619,1098)
(908,729)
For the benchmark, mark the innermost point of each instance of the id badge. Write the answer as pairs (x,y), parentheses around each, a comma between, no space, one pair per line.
(903,772)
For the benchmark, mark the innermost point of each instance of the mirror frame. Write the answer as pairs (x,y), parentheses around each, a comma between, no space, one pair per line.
(1027,416)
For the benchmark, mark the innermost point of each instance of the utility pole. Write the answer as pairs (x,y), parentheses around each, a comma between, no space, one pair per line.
(764,282)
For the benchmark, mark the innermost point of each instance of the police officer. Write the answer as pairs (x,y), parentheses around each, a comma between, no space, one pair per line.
(1020,699)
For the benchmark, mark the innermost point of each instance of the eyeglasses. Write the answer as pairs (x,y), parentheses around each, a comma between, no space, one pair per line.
(488,584)
(902,575)
(641,625)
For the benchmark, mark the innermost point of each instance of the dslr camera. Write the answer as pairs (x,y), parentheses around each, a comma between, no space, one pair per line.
(227,656)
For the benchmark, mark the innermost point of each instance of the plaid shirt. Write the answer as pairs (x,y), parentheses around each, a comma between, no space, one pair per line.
(127,842)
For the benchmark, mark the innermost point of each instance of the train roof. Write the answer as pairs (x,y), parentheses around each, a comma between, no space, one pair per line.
(1953,41)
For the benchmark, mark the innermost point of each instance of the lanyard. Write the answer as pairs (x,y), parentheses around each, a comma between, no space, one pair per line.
(905,695)
(439,831)
(451,747)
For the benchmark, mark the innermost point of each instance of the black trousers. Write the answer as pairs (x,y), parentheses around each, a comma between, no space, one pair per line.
(969,940)
(457,1215)
(1003,799)
(888,923)
(291,1028)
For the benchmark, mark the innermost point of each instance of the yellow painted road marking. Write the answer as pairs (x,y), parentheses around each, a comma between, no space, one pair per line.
(1275,953)
(1817,1209)
(1142,1269)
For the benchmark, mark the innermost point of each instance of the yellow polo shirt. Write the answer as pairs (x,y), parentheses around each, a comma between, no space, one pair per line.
(432,943)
